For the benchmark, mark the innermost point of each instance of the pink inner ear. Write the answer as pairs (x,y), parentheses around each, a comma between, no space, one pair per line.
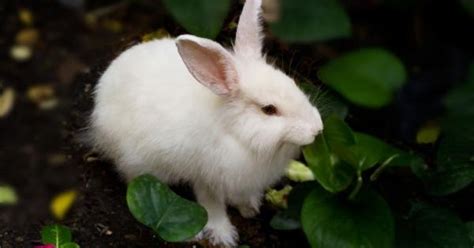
(210,65)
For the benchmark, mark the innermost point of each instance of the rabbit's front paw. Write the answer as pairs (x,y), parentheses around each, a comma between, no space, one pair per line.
(221,234)
(248,211)
(251,207)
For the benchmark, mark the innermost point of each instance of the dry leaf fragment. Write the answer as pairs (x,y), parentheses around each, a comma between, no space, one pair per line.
(428,133)
(158,34)
(279,198)
(62,202)
(43,96)
(20,52)
(8,195)
(113,25)
(25,16)
(7,98)
(27,37)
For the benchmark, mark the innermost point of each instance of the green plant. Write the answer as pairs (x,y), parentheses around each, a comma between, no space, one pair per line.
(57,235)
(169,215)
(342,207)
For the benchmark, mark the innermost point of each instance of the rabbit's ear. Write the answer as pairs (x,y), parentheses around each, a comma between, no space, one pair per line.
(248,41)
(209,63)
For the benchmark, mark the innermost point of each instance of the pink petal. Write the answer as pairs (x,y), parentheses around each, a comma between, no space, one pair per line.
(45,246)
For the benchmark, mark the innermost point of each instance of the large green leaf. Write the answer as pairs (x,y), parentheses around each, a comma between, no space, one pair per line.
(468,6)
(371,151)
(429,227)
(332,173)
(331,221)
(155,205)
(454,168)
(315,20)
(367,77)
(470,229)
(56,235)
(200,17)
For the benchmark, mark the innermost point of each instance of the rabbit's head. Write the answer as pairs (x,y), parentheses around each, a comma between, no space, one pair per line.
(261,106)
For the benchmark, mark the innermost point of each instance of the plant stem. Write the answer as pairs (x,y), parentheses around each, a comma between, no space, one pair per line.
(357,187)
(379,170)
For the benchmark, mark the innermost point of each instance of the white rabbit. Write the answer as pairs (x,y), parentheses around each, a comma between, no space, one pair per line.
(188,110)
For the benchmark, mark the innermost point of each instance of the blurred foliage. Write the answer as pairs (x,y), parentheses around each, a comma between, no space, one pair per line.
(203,18)
(57,235)
(428,227)
(363,222)
(306,21)
(468,5)
(367,77)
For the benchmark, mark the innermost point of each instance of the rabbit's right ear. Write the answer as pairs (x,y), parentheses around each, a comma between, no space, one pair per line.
(209,63)
(248,40)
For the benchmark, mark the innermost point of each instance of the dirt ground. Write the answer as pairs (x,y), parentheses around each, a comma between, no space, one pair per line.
(38,155)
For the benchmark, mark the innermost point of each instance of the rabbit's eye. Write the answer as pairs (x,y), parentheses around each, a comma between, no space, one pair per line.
(269,109)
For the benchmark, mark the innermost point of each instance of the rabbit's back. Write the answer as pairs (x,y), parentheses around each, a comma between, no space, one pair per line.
(152,116)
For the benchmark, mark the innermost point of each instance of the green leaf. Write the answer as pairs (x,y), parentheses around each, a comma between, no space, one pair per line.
(316,20)
(332,221)
(70,245)
(371,151)
(338,133)
(470,229)
(429,227)
(283,221)
(56,235)
(8,195)
(327,102)
(468,6)
(155,205)
(332,173)
(455,157)
(367,77)
(203,18)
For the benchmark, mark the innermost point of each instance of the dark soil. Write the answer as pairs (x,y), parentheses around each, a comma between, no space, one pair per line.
(39,158)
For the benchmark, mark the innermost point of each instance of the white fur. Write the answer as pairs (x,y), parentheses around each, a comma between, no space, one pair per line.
(153,116)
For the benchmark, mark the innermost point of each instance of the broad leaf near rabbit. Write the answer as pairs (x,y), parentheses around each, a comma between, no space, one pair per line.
(155,205)
(332,221)
(429,227)
(368,77)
